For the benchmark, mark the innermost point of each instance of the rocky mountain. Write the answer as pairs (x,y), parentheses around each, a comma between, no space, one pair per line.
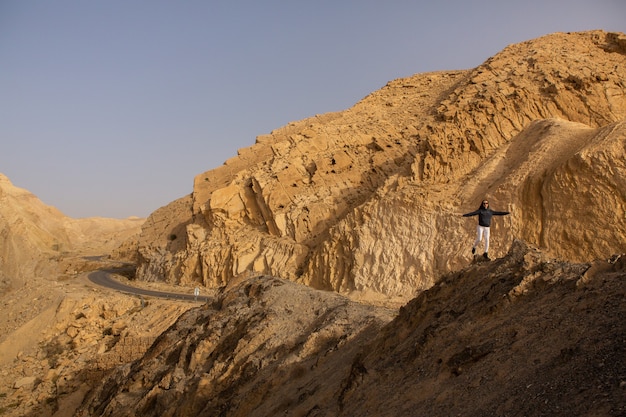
(367,202)
(338,267)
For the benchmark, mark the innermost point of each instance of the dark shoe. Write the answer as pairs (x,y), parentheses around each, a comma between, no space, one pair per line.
(486,256)
(473,251)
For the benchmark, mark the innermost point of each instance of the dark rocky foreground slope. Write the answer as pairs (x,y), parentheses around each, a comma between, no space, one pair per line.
(519,336)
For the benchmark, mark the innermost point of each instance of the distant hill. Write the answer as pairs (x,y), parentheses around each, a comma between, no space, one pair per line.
(34,236)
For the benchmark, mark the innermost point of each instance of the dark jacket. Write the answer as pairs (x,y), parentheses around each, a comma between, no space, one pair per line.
(485,215)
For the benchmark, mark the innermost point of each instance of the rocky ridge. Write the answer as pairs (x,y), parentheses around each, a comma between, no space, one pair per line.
(523,335)
(366,202)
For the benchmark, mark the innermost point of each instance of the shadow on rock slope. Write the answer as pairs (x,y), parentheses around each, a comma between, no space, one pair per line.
(523,335)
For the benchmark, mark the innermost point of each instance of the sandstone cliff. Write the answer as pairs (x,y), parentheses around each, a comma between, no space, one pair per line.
(367,201)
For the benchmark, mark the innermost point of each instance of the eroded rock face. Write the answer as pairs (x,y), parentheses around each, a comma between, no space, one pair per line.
(367,201)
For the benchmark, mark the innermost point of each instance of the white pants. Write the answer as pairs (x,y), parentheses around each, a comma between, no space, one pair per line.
(480,232)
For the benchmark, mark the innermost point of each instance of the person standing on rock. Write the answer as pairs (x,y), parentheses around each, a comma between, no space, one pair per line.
(484,214)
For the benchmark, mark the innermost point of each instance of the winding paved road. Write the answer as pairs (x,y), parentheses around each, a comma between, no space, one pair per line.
(104,279)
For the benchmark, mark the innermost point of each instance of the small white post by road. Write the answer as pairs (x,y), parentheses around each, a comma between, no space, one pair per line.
(196,293)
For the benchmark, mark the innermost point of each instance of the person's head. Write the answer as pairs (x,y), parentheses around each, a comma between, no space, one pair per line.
(484,204)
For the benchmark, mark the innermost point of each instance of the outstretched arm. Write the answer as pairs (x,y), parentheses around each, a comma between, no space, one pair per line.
(500,213)
(473,213)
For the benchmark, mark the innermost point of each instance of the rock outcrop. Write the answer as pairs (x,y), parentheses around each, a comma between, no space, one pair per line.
(523,335)
(52,360)
(366,201)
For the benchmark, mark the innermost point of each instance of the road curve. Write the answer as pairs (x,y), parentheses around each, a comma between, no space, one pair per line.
(104,279)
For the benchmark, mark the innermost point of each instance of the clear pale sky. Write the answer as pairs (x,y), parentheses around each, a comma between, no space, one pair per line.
(110,108)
